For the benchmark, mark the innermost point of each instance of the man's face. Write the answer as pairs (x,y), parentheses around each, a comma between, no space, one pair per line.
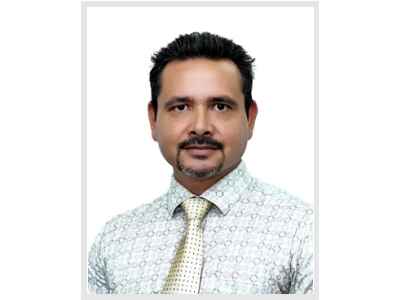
(201,124)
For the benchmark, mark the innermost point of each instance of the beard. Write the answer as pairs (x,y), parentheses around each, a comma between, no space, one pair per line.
(202,173)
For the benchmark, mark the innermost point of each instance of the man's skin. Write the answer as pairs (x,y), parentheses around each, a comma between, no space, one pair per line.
(201,124)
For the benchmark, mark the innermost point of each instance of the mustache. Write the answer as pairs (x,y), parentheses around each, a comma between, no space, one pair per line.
(200,140)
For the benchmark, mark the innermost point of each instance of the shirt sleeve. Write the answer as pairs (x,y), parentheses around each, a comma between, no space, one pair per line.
(302,265)
(97,277)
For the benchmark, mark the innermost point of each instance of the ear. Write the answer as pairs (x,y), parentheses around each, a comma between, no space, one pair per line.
(151,113)
(253,110)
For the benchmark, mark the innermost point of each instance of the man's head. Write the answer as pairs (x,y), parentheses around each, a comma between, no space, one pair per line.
(202,112)
(202,45)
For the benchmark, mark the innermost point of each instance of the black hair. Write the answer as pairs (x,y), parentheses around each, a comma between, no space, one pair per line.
(202,45)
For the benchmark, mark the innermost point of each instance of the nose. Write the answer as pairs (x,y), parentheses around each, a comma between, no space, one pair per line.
(201,123)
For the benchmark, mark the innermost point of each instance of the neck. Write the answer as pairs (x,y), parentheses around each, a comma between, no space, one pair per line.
(199,186)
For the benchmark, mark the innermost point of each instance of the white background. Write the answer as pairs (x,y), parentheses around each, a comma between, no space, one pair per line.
(125,168)
(40,149)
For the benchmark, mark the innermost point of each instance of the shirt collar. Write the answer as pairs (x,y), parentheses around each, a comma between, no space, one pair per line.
(224,193)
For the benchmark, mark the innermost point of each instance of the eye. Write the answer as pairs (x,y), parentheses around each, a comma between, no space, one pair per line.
(221,107)
(180,107)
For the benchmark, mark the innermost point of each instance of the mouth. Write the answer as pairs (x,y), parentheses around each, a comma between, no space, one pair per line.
(201,147)
(197,150)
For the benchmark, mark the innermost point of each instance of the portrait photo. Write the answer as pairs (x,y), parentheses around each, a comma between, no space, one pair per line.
(199,148)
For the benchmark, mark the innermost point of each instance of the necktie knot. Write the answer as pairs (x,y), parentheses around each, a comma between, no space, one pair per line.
(196,208)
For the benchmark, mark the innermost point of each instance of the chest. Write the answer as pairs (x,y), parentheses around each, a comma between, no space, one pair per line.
(239,258)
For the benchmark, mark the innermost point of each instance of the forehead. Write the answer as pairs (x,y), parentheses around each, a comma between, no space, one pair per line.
(201,78)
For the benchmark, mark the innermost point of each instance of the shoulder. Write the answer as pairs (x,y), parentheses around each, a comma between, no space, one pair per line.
(132,218)
(281,201)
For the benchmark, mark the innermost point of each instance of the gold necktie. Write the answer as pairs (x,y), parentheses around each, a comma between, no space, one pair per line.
(185,273)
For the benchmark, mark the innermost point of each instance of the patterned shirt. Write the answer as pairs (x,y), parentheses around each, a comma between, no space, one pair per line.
(258,239)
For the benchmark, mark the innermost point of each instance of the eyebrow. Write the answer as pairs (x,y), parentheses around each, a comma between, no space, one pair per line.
(224,99)
(217,99)
(176,100)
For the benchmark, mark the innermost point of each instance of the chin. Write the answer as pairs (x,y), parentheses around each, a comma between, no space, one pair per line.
(200,170)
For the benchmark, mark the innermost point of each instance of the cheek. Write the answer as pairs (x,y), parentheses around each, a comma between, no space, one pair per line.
(235,139)
(169,136)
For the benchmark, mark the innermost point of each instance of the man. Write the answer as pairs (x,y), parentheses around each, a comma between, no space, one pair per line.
(217,229)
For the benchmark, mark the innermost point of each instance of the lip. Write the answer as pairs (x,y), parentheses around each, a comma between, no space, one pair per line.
(200,151)
(201,148)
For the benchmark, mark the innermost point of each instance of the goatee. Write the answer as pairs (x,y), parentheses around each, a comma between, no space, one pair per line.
(202,173)
(198,174)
